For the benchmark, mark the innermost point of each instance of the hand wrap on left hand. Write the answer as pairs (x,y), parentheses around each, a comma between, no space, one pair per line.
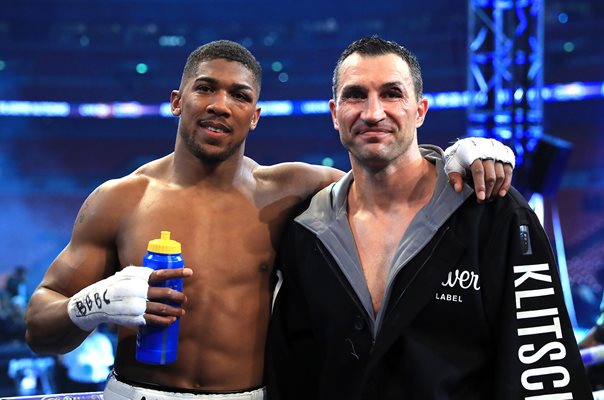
(464,152)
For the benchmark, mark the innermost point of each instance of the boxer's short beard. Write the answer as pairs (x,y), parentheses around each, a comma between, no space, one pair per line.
(211,157)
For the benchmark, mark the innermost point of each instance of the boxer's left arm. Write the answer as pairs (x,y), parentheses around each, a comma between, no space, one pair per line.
(490,161)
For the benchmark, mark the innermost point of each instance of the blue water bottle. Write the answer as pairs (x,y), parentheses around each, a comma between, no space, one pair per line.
(157,344)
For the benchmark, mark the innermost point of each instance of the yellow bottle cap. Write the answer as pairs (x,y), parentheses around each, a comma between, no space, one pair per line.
(164,245)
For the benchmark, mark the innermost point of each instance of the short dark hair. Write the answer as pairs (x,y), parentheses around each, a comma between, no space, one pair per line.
(227,50)
(375,46)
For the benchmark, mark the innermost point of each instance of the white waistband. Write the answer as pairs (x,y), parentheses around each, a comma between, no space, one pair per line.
(116,390)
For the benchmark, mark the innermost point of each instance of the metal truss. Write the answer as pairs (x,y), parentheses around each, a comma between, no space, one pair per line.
(505,71)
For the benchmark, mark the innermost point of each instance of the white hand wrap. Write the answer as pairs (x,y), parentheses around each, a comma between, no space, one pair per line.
(464,152)
(121,299)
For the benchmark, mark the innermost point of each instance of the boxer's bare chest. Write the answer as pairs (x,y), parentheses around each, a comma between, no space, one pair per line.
(224,234)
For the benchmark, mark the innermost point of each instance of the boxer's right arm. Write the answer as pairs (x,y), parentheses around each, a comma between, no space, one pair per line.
(90,259)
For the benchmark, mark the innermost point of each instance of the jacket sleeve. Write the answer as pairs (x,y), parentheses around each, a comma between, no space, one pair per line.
(537,353)
(291,356)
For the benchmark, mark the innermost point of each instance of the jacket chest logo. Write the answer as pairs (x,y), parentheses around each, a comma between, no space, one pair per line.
(456,282)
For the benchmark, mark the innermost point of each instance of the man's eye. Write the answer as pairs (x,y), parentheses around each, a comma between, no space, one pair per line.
(393,94)
(241,96)
(203,88)
(353,95)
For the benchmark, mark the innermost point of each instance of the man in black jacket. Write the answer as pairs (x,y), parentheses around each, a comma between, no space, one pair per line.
(397,287)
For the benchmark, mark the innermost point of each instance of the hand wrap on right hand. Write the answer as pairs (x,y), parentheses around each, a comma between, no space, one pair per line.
(120,299)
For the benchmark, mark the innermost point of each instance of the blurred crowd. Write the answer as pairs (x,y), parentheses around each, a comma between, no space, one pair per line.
(85,369)
(13,300)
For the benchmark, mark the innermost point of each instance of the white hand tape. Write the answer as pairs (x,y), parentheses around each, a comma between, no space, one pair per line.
(120,299)
(464,152)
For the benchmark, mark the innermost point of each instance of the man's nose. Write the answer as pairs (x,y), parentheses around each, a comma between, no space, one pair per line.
(219,104)
(374,109)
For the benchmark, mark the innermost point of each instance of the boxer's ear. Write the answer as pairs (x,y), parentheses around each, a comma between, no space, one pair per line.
(175,102)
(255,119)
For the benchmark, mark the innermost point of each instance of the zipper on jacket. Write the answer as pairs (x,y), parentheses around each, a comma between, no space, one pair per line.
(414,276)
(351,293)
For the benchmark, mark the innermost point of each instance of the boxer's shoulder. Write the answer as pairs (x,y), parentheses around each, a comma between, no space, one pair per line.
(107,205)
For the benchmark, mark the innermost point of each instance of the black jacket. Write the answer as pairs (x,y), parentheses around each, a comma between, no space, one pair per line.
(476,313)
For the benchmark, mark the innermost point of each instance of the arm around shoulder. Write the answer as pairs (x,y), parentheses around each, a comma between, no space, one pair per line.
(307,179)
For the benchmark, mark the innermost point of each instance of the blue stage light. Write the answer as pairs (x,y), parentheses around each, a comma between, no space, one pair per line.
(142,68)
(574,91)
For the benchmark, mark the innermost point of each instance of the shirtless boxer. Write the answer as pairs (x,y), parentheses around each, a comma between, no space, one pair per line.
(228,213)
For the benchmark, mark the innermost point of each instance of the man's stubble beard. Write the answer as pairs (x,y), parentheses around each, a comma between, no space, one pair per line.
(372,160)
(207,157)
